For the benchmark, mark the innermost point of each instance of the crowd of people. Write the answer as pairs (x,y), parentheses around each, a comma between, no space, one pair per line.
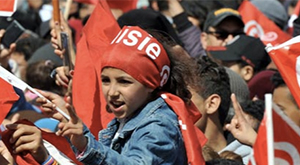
(180,83)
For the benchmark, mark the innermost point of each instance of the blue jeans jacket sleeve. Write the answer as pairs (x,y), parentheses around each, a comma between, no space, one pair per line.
(154,140)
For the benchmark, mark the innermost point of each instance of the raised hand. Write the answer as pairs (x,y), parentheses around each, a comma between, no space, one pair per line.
(62,77)
(73,129)
(239,127)
(48,108)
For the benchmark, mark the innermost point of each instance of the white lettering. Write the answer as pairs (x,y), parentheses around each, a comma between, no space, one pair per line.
(153,50)
(116,37)
(122,36)
(141,46)
(131,36)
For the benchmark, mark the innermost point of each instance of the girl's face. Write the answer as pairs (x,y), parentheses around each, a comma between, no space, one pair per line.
(123,94)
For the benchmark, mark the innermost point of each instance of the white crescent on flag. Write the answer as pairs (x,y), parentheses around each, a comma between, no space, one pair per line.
(7,7)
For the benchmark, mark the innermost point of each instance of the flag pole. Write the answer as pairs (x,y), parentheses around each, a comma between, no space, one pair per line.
(269,126)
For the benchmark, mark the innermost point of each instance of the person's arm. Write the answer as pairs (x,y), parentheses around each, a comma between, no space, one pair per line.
(144,147)
(187,32)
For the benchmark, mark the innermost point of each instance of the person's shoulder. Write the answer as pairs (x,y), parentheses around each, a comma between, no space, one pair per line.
(160,111)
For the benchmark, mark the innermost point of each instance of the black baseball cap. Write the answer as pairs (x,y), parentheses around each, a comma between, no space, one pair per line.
(245,48)
(217,16)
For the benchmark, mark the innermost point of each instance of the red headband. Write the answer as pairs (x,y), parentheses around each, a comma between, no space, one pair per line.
(140,55)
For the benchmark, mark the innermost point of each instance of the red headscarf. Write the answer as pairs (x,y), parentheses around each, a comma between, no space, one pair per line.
(140,55)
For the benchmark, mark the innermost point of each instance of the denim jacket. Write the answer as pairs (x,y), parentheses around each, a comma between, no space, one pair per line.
(152,136)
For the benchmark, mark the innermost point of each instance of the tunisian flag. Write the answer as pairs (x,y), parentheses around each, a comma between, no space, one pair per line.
(7,7)
(277,140)
(88,99)
(258,25)
(286,57)
(124,5)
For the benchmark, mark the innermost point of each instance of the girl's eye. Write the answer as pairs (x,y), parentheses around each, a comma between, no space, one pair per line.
(105,80)
(124,81)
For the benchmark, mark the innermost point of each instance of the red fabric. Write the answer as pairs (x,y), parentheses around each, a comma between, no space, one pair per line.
(26,159)
(87,1)
(141,48)
(260,147)
(194,139)
(125,6)
(7,5)
(286,140)
(76,24)
(7,98)
(287,61)
(297,9)
(258,25)
(88,100)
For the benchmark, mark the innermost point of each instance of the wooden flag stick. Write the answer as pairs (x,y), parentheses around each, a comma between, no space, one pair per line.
(67,9)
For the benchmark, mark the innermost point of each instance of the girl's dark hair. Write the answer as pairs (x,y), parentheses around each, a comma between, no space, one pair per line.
(181,72)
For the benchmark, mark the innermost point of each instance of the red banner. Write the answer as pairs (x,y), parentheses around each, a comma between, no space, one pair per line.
(285,144)
(286,58)
(124,5)
(258,25)
(88,99)
(7,7)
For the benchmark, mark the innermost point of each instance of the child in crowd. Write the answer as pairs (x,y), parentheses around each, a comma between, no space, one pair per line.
(144,99)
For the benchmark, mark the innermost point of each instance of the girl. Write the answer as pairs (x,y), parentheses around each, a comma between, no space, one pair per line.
(138,78)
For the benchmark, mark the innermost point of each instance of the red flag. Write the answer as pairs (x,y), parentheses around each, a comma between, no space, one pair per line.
(88,100)
(286,58)
(258,25)
(94,2)
(124,5)
(286,146)
(7,7)
(194,139)
(7,98)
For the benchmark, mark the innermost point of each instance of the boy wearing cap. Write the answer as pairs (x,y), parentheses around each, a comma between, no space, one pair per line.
(221,26)
(245,55)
